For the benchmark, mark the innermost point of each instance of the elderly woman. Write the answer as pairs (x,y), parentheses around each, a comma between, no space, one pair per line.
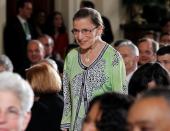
(48,105)
(16,100)
(89,70)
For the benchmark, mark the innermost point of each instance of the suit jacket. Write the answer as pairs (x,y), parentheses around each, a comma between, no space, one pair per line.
(15,45)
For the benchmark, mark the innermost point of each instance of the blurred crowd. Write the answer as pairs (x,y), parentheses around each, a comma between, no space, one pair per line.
(95,84)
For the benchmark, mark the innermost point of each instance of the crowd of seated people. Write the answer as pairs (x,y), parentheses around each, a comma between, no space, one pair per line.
(36,52)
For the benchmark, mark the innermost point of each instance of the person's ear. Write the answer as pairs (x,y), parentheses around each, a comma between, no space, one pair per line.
(100,30)
(26,120)
(137,59)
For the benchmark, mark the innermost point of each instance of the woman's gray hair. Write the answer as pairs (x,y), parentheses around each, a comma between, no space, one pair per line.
(89,12)
(13,82)
(6,63)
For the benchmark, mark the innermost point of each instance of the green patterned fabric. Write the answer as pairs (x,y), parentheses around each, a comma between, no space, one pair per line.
(81,83)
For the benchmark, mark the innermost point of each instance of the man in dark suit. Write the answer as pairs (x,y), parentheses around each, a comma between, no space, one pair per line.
(17,33)
(48,43)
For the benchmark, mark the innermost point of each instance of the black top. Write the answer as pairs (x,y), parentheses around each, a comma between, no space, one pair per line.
(47,113)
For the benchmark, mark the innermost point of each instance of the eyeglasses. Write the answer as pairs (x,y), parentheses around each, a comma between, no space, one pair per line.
(83,31)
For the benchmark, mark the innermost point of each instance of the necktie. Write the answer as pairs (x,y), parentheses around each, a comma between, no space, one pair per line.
(27,31)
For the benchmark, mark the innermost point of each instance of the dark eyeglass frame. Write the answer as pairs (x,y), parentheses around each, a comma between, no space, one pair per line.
(83,31)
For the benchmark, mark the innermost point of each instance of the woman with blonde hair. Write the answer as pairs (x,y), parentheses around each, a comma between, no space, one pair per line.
(48,106)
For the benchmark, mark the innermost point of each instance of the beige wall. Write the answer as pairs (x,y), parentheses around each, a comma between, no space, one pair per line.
(68,8)
(115,12)
(2,22)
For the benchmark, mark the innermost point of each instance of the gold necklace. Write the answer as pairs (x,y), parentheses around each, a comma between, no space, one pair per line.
(87,57)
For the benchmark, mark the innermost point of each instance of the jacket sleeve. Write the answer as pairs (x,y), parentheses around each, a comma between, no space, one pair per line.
(119,74)
(66,118)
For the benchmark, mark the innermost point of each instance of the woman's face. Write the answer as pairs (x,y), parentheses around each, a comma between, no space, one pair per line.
(85,32)
(58,21)
(92,118)
(11,116)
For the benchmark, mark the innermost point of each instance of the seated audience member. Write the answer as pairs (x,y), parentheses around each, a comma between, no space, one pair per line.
(149,75)
(151,111)
(53,65)
(164,39)
(38,22)
(16,100)
(107,35)
(48,43)
(57,30)
(163,57)
(50,62)
(130,54)
(5,63)
(48,105)
(165,25)
(118,42)
(147,50)
(107,112)
(150,34)
(35,51)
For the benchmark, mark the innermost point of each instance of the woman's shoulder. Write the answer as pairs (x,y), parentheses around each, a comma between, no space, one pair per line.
(110,50)
(73,52)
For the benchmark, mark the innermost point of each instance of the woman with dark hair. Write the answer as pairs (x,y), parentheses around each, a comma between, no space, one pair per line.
(107,112)
(57,30)
(38,22)
(149,75)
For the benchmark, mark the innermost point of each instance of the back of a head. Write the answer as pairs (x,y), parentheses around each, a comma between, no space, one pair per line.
(6,63)
(50,62)
(87,3)
(161,91)
(163,50)
(114,107)
(145,74)
(13,82)
(43,79)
